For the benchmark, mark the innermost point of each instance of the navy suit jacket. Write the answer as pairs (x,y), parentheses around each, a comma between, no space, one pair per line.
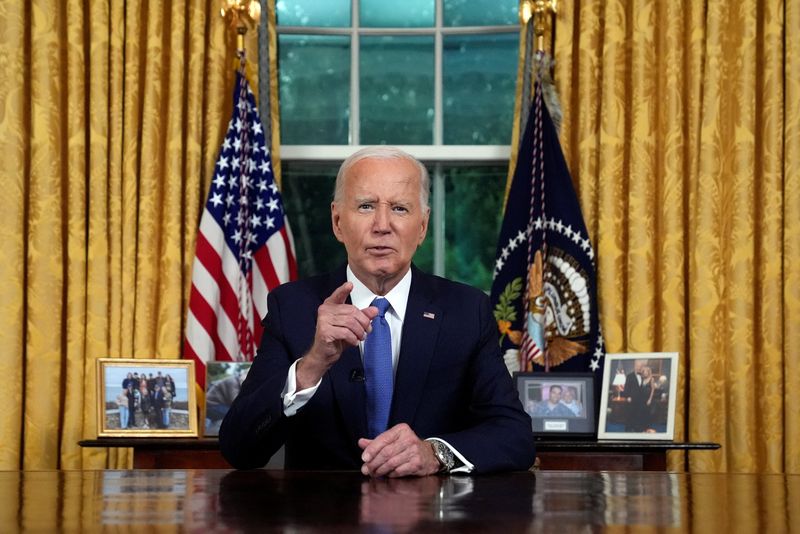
(450,383)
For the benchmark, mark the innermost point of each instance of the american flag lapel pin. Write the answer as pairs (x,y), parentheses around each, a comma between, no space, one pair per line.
(429,315)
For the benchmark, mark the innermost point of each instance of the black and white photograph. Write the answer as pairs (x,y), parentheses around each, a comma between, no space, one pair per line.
(638,397)
(146,397)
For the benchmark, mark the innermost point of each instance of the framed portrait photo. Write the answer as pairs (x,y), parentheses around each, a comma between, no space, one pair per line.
(146,397)
(639,396)
(559,404)
(223,383)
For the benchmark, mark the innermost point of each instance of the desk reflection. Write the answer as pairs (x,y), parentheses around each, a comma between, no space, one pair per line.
(278,501)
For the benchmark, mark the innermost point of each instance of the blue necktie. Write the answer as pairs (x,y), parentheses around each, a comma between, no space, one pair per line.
(378,371)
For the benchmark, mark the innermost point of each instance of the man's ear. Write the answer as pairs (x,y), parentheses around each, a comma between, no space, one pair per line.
(335,218)
(424,229)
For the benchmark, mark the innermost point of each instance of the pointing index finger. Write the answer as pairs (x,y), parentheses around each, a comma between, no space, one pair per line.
(339,296)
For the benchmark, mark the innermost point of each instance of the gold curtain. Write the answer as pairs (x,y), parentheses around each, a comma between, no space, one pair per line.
(682,131)
(111,115)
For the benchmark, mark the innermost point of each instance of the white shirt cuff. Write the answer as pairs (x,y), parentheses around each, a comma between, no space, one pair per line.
(465,467)
(293,400)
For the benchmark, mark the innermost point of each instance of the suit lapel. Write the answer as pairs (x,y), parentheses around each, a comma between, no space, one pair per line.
(420,332)
(347,376)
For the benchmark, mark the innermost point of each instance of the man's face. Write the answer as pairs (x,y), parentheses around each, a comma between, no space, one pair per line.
(555,395)
(379,219)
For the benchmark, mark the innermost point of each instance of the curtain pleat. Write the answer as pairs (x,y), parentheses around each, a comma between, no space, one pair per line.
(15,147)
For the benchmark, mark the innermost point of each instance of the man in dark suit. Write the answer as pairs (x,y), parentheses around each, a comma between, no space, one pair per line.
(453,404)
(634,394)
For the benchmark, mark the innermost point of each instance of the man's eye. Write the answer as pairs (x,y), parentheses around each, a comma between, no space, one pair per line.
(400,209)
(363,207)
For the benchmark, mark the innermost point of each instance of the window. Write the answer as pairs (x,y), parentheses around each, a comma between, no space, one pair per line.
(435,77)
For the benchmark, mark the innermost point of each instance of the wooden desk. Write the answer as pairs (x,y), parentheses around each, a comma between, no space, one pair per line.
(344,502)
(181,453)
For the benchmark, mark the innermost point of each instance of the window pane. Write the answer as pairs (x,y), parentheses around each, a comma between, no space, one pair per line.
(314,89)
(479,78)
(330,13)
(473,200)
(481,12)
(405,14)
(307,194)
(396,90)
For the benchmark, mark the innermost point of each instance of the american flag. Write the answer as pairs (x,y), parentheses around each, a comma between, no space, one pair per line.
(244,244)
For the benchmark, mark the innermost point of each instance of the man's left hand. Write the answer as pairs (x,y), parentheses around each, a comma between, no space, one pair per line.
(398,452)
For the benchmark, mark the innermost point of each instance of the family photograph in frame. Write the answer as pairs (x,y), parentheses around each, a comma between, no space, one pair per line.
(639,396)
(223,383)
(559,404)
(146,397)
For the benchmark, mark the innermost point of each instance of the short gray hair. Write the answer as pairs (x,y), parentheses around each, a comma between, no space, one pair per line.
(384,152)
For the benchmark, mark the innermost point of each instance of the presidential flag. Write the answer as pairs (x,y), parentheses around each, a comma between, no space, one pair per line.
(544,291)
(244,244)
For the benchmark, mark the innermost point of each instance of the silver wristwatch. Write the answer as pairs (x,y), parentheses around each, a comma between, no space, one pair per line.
(444,455)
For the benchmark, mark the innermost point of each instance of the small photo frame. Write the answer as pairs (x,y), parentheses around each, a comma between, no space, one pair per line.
(559,404)
(223,383)
(146,398)
(639,396)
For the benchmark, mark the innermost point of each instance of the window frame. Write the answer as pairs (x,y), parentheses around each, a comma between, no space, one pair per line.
(436,155)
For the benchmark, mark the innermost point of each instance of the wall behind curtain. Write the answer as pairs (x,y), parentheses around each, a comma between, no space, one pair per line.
(111,115)
(682,131)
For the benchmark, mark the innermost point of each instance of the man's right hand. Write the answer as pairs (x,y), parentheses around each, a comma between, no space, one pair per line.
(339,326)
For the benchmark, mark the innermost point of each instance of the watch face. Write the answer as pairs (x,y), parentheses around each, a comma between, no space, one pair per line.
(444,455)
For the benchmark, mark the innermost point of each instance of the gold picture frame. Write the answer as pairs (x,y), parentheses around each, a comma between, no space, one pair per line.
(162,404)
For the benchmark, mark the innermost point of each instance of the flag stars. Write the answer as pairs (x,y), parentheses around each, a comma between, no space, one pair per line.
(237,236)
(255,221)
(215,199)
(270,223)
(257,130)
(237,145)
(265,167)
(229,200)
(226,144)
(223,163)
(226,219)
(262,185)
(272,204)
(238,125)
(219,181)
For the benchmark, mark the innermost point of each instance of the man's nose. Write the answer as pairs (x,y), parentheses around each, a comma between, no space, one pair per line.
(381,222)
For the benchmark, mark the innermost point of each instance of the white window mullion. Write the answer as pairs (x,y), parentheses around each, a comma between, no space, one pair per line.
(355,88)
(438,126)
(437,213)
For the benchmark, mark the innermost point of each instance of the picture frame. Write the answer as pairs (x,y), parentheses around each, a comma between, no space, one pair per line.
(629,408)
(161,405)
(573,414)
(223,382)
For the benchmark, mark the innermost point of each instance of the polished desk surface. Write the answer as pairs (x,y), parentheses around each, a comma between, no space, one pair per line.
(281,501)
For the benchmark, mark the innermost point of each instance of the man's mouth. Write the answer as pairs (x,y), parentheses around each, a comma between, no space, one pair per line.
(379,250)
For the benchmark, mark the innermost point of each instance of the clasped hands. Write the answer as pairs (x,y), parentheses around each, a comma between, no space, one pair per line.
(396,452)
